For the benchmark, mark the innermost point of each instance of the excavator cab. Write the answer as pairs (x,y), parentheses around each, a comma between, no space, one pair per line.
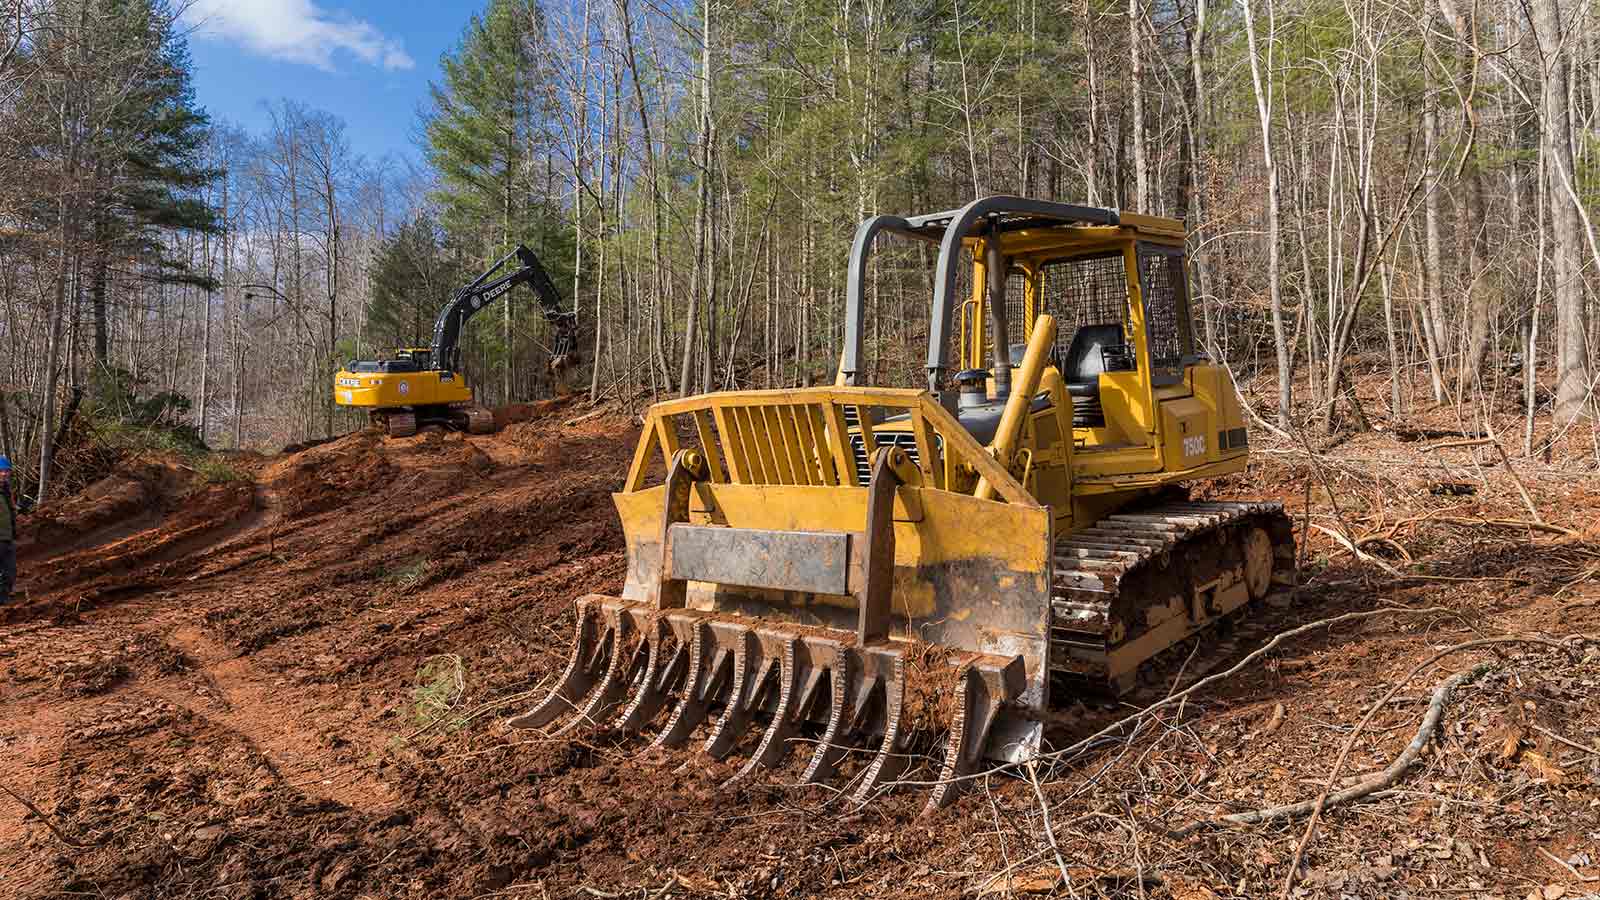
(921,572)
(420,357)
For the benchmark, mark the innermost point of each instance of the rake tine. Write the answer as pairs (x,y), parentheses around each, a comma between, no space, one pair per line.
(698,687)
(613,687)
(827,755)
(654,682)
(742,698)
(891,758)
(575,681)
(870,689)
(774,743)
(984,687)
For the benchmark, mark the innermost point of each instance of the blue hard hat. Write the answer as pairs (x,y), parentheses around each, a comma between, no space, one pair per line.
(5,464)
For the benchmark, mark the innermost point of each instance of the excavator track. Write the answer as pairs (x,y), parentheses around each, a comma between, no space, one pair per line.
(479,420)
(400,424)
(1141,581)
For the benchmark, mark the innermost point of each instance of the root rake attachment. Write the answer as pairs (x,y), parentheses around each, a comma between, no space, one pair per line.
(630,664)
(651,662)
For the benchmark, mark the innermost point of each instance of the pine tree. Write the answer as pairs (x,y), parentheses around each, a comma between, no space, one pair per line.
(489,139)
(148,162)
(412,277)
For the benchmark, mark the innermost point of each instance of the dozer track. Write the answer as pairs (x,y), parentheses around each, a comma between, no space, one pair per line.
(1139,582)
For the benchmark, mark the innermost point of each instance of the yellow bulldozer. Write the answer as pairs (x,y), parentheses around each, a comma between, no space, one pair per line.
(804,564)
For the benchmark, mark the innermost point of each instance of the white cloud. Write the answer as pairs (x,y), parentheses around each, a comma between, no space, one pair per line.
(295,31)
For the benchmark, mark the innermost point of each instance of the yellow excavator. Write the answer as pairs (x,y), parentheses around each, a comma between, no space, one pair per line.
(820,568)
(423,386)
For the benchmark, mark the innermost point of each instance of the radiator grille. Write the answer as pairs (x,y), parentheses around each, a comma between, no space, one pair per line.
(905,440)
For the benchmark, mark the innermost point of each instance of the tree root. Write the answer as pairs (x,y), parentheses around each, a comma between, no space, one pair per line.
(60,835)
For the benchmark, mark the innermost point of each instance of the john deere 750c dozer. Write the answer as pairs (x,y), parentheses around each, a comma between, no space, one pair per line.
(1027,521)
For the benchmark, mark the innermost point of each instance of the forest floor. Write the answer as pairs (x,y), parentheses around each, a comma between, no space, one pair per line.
(295,684)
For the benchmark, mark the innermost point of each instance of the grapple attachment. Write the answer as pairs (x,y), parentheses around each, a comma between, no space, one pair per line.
(823,623)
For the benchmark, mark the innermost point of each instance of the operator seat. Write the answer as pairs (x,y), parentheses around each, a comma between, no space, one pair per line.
(1086,359)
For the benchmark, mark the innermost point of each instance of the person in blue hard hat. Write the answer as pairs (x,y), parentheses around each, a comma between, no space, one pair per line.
(8,534)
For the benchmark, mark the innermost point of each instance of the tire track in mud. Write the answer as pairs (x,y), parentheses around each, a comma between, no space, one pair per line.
(257,704)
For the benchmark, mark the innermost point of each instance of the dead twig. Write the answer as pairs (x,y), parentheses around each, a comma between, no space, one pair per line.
(1570,743)
(61,836)
(1586,879)
(1049,830)
(1277,641)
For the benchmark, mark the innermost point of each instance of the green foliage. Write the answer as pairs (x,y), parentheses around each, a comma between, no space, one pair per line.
(491,124)
(129,421)
(412,277)
(410,575)
(483,121)
(441,683)
(149,157)
(153,421)
(214,469)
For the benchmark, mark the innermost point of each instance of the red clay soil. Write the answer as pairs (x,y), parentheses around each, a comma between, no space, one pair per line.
(296,686)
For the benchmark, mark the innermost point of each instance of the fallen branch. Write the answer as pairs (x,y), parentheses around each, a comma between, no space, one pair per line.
(583,418)
(1431,719)
(1507,523)
(1378,782)
(1355,549)
(1505,461)
(43,818)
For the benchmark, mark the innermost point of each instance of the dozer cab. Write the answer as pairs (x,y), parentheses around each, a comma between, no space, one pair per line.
(834,569)
(424,386)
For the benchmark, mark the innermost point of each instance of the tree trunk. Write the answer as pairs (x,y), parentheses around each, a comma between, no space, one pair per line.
(1141,165)
(1555,127)
(702,214)
(1435,327)
(1263,93)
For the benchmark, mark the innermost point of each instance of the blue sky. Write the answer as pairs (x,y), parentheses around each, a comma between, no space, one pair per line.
(367,61)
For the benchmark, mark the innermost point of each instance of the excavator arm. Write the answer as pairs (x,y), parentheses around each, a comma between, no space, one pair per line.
(468,301)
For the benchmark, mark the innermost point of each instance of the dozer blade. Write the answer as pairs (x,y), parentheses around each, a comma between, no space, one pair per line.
(873,650)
